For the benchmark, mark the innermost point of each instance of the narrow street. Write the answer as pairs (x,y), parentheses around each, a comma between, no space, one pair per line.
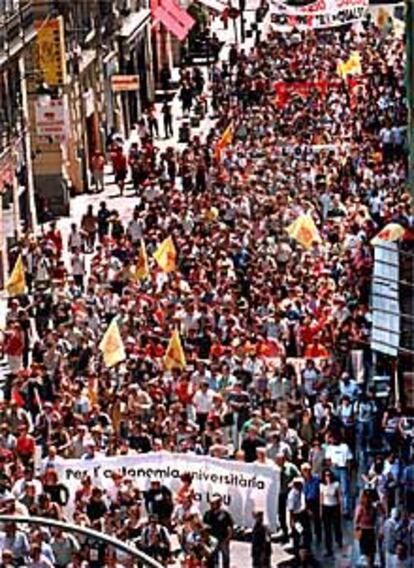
(209,360)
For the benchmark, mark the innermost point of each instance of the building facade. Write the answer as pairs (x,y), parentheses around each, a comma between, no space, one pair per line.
(17,36)
(72,72)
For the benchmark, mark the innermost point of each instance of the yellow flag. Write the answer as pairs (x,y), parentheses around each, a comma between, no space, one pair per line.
(227,136)
(390,233)
(174,356)
(350,67)
(16,284)
(382,18)
(225,139)
(166,255)
(304,231)
(112,346)
(141,268)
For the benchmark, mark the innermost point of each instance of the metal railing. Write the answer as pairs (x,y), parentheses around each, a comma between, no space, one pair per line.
(13,21)
(139,557)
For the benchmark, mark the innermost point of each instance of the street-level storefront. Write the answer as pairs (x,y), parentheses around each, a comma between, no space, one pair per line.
(135,60)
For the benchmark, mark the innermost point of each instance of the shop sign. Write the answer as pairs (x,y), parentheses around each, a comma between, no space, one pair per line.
(51,53)
(51,119)
(124,83)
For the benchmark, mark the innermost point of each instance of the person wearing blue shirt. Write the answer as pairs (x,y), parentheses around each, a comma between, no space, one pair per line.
(311,491)
(348,387)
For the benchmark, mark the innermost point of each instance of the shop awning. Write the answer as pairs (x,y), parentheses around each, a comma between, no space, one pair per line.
(214,5)
(174,18)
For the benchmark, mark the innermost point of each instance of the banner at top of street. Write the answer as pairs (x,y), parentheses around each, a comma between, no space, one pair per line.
(317,15)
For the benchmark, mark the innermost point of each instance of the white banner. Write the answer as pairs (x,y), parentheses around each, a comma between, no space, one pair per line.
(317,15)
(243,487)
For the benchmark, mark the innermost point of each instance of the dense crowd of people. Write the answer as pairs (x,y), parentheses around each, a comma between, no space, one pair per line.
(276,336)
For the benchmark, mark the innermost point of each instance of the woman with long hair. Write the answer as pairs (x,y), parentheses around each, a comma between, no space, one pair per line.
(330,500)
(365,523)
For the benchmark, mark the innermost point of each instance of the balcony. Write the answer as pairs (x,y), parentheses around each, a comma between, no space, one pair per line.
(16,27)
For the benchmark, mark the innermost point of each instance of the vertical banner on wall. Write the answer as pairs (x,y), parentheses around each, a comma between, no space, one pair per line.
(50,51)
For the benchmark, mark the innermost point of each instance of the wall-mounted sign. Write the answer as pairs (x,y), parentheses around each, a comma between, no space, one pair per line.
(124,83)
(51,119)
(51,53)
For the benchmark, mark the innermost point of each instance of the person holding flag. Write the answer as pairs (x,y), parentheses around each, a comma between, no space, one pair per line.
(16,284)
(304,231)
(166,255)
(112,346)
(174,356)
(225,140)
(350,67)
(142,268)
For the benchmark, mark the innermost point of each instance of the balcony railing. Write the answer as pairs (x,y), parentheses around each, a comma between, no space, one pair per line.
(16,24)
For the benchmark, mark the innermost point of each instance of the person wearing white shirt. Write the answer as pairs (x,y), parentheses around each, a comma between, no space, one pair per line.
(189,320)
(348,387)
(201,374)
(135,229)
(16,541)
(338,455)
(299,521)
(203,402)
(52,459)
(319,409)
(262,458)
(20,485)
(330,500)
(326,202)
(78,267)
(76,238)
(183,510)
(112,492)
(37,559)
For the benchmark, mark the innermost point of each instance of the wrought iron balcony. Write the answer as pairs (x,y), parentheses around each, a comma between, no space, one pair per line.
(16,27)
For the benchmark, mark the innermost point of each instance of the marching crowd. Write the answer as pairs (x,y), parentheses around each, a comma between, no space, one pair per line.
(275,334)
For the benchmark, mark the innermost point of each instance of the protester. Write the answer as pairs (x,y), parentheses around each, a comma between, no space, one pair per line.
(220,524)
(331,511)
(97,168)
(261,543)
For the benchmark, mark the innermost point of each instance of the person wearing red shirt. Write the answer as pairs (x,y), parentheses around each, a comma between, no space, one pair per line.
(97,167)
(14,346)
(120,165)
(184,390)
(25,445)
(217,350)
(55,236)
(307,331)
(316,350)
